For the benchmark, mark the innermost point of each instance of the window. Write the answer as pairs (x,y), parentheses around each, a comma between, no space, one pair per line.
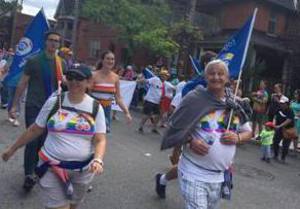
(94,48)
(272,23)
(70,25)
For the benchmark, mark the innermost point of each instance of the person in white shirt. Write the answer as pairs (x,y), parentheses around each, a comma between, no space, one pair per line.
(75,144)
(153,98)
(212,147)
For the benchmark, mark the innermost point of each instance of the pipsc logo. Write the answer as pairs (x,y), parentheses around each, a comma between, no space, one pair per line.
(24,46)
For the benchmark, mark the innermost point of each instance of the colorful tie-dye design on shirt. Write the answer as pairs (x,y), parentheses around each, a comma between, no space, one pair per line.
(213,125)
(71,122)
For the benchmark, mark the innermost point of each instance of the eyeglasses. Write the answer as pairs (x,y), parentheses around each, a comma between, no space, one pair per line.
(76,77)
(53,40)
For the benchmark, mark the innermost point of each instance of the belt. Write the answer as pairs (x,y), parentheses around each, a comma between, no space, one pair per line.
(199,166)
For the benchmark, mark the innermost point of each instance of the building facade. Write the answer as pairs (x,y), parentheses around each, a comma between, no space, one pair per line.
(275,40)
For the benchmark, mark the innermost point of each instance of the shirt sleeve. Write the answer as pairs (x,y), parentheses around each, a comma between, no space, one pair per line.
(245,127)
(100,121)
(150,80)
(290,115)
(29,68)
(42,117)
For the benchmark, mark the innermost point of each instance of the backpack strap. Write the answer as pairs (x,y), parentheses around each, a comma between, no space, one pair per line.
(56,105)
(95,109)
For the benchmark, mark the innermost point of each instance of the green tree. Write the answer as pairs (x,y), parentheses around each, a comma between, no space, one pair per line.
(139,22)
(6,6)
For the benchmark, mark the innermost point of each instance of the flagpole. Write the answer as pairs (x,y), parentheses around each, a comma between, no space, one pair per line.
(242,64)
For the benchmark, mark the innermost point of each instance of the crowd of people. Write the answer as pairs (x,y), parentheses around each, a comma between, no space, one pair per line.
(68,113)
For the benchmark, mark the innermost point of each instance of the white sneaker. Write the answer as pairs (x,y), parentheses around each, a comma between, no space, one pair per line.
(16,123)
(11,120)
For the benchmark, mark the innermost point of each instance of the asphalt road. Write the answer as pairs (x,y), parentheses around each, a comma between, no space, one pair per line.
(131,162)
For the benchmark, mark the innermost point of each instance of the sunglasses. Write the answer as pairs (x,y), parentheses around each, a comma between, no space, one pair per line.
(76,77)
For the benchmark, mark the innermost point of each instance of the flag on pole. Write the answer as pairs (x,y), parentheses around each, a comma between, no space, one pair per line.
(196,65)
(235,50)
(31,44)
(148,73)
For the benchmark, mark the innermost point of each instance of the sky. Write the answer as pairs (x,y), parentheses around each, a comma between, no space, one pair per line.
(33,6)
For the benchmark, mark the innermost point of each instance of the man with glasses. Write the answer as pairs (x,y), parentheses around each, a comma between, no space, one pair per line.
(40,77)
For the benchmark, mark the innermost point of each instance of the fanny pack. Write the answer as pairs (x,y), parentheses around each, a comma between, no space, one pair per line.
(60,169)
(227,185)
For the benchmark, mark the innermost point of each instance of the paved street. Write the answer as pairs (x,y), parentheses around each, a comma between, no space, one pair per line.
(131,163)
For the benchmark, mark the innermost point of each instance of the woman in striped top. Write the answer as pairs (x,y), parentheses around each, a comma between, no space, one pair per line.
(106,87)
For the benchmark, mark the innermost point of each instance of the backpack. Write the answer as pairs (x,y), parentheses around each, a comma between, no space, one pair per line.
(56,107)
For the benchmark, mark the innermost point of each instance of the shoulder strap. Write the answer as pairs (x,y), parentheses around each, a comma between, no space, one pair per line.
(95,109)
(56,105)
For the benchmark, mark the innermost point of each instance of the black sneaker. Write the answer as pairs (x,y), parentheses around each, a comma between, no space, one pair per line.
(155,131)
(141,130)
(159,188)
(29,183)
(268,160)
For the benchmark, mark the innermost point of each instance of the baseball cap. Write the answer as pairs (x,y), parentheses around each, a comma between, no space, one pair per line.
(284,99)
(80,69)
(270,124)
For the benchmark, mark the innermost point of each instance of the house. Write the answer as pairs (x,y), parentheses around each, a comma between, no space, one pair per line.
(274,46)
(22,21)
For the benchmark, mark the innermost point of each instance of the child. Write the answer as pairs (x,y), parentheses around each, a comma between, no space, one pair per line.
(266,141)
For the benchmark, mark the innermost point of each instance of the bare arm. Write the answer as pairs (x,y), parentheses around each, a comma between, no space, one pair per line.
(19,92)
(285,123)
(29,135)
(100,147)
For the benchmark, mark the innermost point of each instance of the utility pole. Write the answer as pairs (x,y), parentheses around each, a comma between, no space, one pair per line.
(14,21)
(74,31)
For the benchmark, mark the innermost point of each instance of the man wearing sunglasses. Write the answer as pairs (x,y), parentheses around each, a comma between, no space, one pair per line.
(41,80)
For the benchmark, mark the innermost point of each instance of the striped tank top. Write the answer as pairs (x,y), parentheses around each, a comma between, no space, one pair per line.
(104,93)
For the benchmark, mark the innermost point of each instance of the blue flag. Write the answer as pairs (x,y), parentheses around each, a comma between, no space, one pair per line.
(148,73)
(196,65)
(235,50)
(192,84)
(31,44)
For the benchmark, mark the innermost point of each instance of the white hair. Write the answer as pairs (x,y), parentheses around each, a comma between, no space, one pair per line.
(216,62)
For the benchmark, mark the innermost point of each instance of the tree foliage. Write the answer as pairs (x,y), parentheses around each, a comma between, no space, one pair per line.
(140,22)
(6,6)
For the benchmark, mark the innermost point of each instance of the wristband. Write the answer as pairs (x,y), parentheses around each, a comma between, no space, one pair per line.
(98,160)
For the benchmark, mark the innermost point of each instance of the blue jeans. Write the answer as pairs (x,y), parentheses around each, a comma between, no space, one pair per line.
(31,150)
(11,94)
(266,151)
(107,113)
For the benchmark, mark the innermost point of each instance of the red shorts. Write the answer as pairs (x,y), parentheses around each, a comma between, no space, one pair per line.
(165,104)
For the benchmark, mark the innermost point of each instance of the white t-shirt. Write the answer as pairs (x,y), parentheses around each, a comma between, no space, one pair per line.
(69,133)
(154,92)
(176,100)
(210,129)
(180,86)
(169,89)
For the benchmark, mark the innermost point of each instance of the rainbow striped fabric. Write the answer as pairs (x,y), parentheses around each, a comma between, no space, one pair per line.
(104,92)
